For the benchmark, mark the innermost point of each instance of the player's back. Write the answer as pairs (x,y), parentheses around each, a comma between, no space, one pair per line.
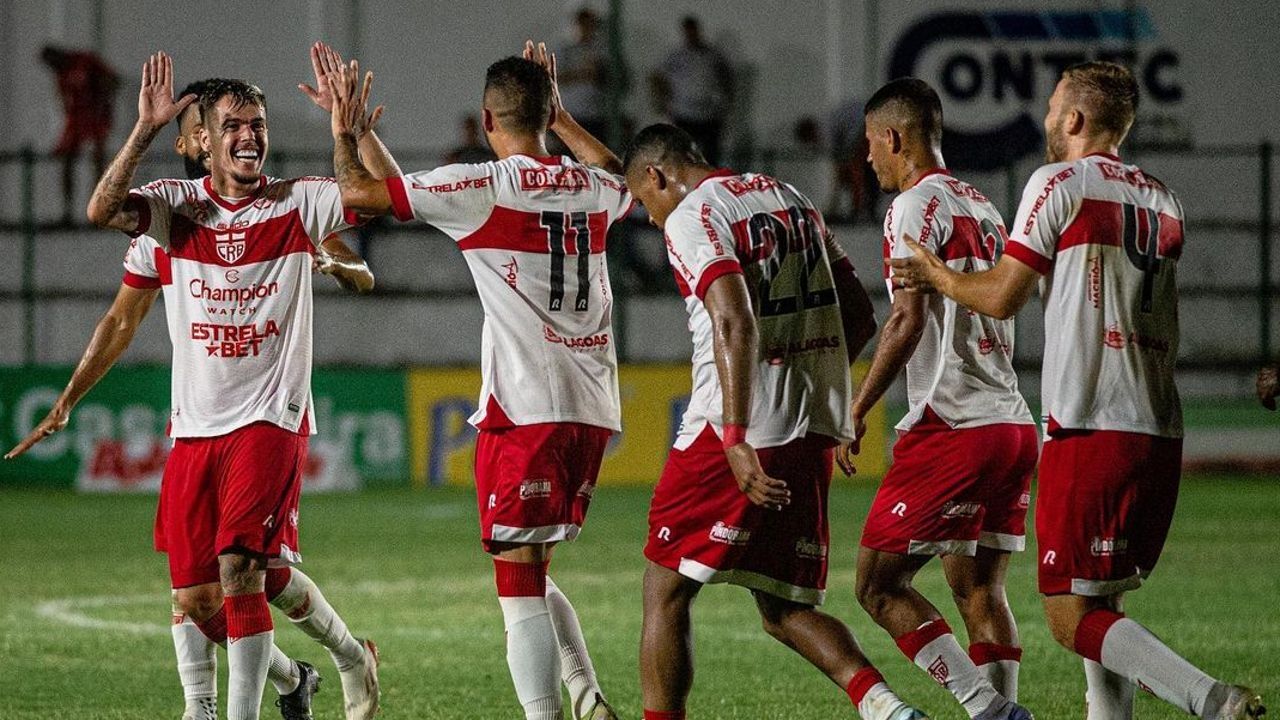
(962,367)
(779,241)
(533,233)
(1107,237)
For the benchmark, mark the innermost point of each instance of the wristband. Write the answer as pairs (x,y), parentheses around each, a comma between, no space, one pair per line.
(734,434)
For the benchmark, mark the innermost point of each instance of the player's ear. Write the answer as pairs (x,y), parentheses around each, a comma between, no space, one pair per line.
(486,119)
(1075,122)
(656,175)
(204,139)
(180,144)
(895,140)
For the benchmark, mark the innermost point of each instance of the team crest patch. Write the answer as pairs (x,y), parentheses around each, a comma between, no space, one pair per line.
(230,247)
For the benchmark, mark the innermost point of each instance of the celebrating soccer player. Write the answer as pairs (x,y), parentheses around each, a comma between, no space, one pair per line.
(241,406)
(962,465)
(777,315)
(532,229)
(1103,238)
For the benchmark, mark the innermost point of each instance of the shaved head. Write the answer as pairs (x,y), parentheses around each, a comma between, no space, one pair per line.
(911,106)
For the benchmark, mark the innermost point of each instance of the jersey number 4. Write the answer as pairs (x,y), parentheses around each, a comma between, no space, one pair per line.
(791,252)
(1141,239)
(556,223)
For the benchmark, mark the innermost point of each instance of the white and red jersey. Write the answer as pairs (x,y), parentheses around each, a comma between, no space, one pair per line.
(962,368)
(533,232)
(236,278)
(756,225)
(1106,237)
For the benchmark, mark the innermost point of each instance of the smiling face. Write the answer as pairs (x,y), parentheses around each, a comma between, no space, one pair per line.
(235,137)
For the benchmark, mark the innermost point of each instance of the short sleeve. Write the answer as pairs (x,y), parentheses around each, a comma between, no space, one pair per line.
(457,198)
(1045,209)
(155,203)
(615,198)
(700,248)
(319,203)
(140,269)
(913,214)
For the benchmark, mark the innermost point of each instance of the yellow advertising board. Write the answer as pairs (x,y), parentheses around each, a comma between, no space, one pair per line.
(442,444)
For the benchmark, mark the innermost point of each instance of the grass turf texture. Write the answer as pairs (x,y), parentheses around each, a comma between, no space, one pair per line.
(405,568)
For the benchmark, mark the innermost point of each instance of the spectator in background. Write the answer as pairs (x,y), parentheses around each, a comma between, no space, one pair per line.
(473,149)
(694,88)
(1269,385)
(582,68)
(87,87)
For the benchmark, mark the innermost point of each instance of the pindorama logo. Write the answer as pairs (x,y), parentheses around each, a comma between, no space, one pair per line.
(995,71)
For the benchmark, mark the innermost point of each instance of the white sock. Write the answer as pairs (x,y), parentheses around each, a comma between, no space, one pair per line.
(880,703)
(1108,696)
(307,608)
(197,667)
(947,663)
(533,655)
(1003,676)
(1134,652)
(248,659)
(576,669)
(283,672)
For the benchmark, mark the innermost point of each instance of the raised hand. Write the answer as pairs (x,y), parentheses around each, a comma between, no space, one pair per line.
(348,115)
(156,106)
(325,61)
(53,422)
(547,60)
(753,481)
(920,272)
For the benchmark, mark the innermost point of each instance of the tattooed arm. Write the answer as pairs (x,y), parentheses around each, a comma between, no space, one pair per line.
(156,108)
(326,62)
(362,192)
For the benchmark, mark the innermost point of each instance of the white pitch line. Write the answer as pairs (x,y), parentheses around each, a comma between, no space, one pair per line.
(69,611)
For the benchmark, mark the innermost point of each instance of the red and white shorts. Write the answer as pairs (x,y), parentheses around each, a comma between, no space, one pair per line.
(534,482)
(703,527)
(1104,508)
(237,491)
(949,491)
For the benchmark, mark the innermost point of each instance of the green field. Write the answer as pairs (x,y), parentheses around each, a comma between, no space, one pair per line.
(84,607)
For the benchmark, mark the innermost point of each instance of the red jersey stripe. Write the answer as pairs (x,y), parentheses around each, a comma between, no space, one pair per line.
(267,240)
(715,271)
(142,282)
(400,206)
(1028,257)
(523,231)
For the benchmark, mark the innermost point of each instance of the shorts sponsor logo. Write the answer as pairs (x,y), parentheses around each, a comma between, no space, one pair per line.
(587,490)
(1050,558)
(899,509)
(234,341)
(468,184)
(230,246)
(812,549)
(1024,501)
(493,500)
(728,534)
(530,489)
(588,342)
(664,534)
(961,509)
(541,178)
(293,518)
(939,671)
(1108,546)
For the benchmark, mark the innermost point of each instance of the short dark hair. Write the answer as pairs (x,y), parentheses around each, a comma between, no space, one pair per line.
(1107,92)
(518,92)
(662,143)
(911,103)
(196,88)
(240,91)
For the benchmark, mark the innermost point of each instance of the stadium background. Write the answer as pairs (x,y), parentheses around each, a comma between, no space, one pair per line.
(395,375)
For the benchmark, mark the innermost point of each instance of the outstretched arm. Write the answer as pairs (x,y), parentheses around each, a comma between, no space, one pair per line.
(110,339)
(156,108)
(584,146)
(362,192)
(336,259)
(999,292)
(735,343)
(326,61)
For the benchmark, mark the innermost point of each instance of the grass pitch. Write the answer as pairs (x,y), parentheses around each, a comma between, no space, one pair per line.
(84,606)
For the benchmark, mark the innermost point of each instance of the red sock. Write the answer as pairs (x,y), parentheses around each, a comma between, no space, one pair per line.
(911,643)
(520,579)
(663,715)
(215,627)
(247,615)
(862,681)
(1092,629)
(277,580)
(983,653)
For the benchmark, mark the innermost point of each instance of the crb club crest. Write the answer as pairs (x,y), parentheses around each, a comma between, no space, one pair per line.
(230,246)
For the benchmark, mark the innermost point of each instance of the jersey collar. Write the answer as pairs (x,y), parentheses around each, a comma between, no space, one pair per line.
(237,203)
(928,173)
(545,160)
(1106,155)
(717,173)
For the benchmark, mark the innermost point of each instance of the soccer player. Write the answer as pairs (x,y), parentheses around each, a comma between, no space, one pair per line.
(532,228)
(288,589)
(240,246)
(777,315)
(962,465)
(1103,238)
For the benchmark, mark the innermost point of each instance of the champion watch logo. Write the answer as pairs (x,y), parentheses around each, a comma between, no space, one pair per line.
(230,246)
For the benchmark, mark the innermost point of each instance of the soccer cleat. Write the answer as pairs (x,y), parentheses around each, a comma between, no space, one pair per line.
(601,710)
(360,692)
(1242,703)
(909,713)
(297,704)
(1005,709)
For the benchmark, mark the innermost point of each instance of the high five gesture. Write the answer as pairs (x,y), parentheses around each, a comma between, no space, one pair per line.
(156,106)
